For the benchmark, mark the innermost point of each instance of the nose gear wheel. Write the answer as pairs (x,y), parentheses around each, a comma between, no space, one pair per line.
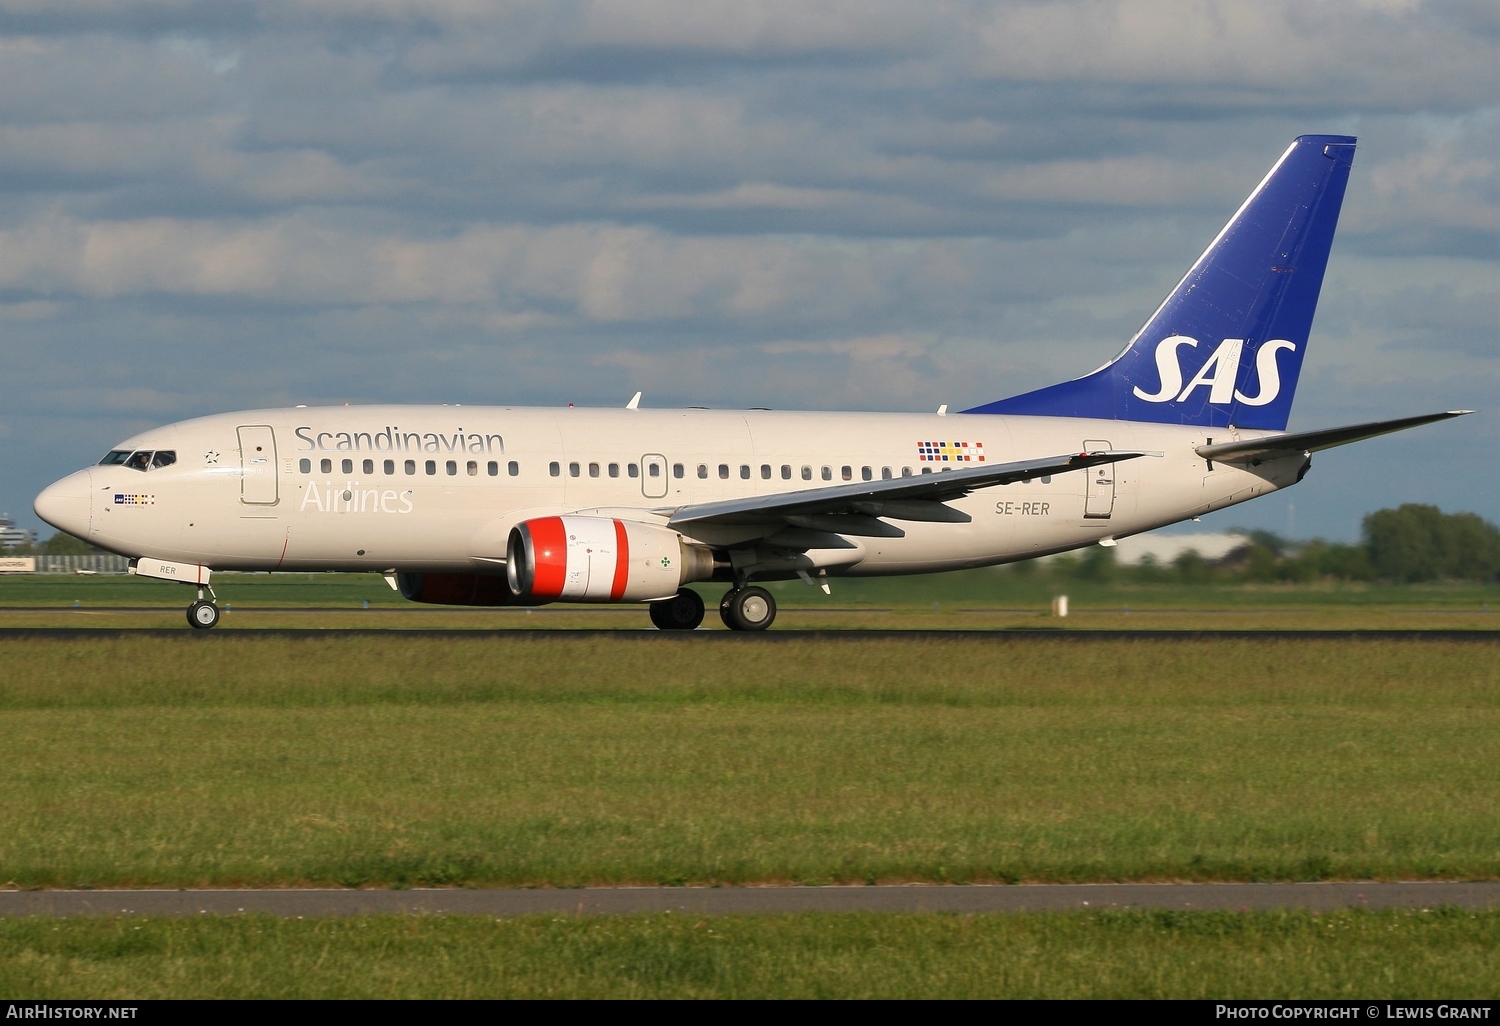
(202,615)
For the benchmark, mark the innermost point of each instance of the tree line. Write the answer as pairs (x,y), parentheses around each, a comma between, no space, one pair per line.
(1410,543)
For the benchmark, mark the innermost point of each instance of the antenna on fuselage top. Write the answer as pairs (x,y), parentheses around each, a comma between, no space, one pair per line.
(635,402)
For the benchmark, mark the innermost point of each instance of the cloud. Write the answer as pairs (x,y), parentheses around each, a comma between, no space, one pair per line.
(212,204)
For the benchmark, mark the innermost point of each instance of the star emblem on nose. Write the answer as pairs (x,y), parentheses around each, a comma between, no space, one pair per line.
(210,457)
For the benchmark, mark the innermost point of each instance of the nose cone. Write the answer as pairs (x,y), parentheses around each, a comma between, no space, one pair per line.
(65,504)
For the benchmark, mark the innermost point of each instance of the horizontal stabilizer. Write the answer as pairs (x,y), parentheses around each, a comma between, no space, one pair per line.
(1259,450)
(917,498)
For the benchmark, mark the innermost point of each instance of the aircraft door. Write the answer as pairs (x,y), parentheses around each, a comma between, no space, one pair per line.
(1099,500)
(257,465)
(654,476)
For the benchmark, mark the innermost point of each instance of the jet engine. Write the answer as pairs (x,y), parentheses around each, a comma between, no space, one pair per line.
(597,559)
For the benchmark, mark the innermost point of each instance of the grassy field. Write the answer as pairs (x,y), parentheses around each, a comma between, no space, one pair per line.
(1364,956)
(978,599)
(376,760)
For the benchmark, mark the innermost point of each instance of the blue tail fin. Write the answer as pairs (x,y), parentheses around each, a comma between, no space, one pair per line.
(1227,345)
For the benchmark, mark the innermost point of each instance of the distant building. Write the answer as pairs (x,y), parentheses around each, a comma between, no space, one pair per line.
(1165,548)
(12,537)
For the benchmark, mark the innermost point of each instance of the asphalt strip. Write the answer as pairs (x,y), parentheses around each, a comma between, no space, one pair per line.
(725,637)
(1318,896)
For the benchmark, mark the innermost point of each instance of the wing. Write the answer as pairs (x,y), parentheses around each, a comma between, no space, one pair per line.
(855,509)
(1259,450)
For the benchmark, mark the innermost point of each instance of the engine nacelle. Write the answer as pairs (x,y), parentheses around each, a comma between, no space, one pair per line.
(597,559)
(456,589)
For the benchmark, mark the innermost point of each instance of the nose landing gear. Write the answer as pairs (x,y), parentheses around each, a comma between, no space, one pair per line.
(203,614)
(747,609)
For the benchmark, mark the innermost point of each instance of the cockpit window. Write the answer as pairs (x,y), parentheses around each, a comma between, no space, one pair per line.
(164,458)
(115,457)
(139,460)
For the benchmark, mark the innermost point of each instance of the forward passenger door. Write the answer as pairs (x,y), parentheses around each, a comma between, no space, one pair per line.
(257,465)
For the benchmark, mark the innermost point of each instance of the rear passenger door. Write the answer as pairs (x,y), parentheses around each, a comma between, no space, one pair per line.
(1100,500)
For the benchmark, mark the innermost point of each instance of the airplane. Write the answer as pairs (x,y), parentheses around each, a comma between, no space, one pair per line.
(498,506)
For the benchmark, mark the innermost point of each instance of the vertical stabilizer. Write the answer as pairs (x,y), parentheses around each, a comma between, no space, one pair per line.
(1226,346)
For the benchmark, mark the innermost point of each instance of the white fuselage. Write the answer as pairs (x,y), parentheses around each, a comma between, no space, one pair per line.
(434,489)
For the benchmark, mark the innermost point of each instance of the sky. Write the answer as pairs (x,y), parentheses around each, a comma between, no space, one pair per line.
(233,204)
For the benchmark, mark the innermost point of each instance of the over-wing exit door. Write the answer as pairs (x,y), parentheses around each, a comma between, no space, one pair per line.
(653,475)
(1099,501)
(257,465)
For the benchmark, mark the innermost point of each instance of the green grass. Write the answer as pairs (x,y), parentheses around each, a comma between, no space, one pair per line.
(395,761)
(1442,953)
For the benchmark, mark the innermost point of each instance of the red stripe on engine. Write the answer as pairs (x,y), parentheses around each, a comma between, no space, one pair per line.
(549,547)
(622,563)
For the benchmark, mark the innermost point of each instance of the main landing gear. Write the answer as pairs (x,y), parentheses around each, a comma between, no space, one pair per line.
(202,614)
(681,612)
(747,609)
(743,609)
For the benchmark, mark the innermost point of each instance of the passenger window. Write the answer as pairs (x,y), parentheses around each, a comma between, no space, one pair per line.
(346,466)
(632,470)
(389,468)
(866,474)
(431,467)
(654,470)
(847,473)
(473,468)
(806,473)
(724,472)
(554,469)
(926,470)
(885,473)
(827,473)
(164,458)
(411,466)
(492,468)
(765,472)
(593,470)
(906,472)
(614,470)
(744,472)
(326,466)
(574,470)
(513,468)
(451,466)
(369,467)
(786,472)
(677,471)
(703,471)
(305,466)
(115,457)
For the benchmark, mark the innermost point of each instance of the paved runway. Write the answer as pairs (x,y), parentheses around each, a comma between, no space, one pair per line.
(754,900)
(771,636)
